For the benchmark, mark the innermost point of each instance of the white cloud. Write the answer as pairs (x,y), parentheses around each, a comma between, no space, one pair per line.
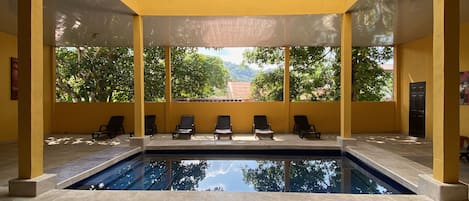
(220,170)
(233,55)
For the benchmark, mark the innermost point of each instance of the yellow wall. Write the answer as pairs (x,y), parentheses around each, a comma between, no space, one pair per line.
(464,66)
(241,114)
(87,117)
(367,117)
(9,116)
(415,64)
(48,94)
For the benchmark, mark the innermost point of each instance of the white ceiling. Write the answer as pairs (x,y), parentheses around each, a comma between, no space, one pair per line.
(109,23)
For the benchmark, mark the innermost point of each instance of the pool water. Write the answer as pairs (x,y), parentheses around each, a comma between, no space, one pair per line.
(242,173)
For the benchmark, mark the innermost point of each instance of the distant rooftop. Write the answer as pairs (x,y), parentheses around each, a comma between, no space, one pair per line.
(239,90)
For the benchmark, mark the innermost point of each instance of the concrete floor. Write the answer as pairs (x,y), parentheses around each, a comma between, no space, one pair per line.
(65,150)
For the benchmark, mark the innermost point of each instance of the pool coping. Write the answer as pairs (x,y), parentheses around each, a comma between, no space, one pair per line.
(402,170)
(76,170)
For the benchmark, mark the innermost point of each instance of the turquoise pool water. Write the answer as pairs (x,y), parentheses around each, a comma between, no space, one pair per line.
(242,173)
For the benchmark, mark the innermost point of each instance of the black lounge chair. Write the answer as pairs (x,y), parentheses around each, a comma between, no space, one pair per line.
(150,125)
(114,127)
(304,129)
(185,127)
(464,153)
(223,127)
(261,128)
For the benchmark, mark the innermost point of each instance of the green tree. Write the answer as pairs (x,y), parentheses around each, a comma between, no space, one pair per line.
(94,74)
(268,86)
(196,75)
(315,73)
(369,81)
(154,74)
(305,176)
(268,176)
(186,176)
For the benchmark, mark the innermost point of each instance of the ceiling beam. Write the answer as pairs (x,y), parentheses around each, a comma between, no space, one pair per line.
(237,7)
(348,4)
(132,5)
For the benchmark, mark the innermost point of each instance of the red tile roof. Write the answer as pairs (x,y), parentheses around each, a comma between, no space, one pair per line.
(239,90)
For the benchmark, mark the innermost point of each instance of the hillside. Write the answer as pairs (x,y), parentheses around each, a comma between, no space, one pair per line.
(240,73)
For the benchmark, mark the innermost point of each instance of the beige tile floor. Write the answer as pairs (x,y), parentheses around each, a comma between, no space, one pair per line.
(71,147)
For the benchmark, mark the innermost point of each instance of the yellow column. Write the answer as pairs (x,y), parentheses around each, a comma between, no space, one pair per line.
(30,78)
(52,85)
(445,88)
(139,104)
(346,77)
(396,91)
(286,88)
(167,60)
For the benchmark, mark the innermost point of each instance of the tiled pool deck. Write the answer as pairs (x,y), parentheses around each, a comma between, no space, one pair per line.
(400,157)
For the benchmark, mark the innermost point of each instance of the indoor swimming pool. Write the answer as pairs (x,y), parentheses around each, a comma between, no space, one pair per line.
(235,171)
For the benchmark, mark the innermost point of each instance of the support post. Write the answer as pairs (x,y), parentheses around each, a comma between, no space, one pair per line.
(168,97)
(139,104)
(396,91)
(286,88)
(139,90)
(31,181)
(444,184)
(30,78)
(446,90)
(346,77)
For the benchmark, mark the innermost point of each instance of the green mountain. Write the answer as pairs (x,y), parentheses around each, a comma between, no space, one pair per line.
(240,73)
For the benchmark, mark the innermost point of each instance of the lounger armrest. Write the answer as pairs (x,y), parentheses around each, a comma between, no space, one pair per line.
(270,127)
(193,128)
(254,129)
(295,129)
(102,126)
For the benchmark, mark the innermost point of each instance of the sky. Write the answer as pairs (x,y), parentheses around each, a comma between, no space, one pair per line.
(233,55)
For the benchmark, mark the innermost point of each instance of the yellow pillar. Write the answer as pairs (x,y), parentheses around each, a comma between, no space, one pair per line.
(396,91)
(52,85)
(286,88)
(139,104)
(346,77)
(30,78)
(445,88)
(167,60)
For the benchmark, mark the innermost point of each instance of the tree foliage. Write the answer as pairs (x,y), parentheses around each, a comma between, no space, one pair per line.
(369,81)
(312,176)
(196,75)
(315,73)
(94,74)
(304,176)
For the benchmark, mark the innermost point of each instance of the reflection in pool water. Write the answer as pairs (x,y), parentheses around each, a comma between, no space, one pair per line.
(288,174)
